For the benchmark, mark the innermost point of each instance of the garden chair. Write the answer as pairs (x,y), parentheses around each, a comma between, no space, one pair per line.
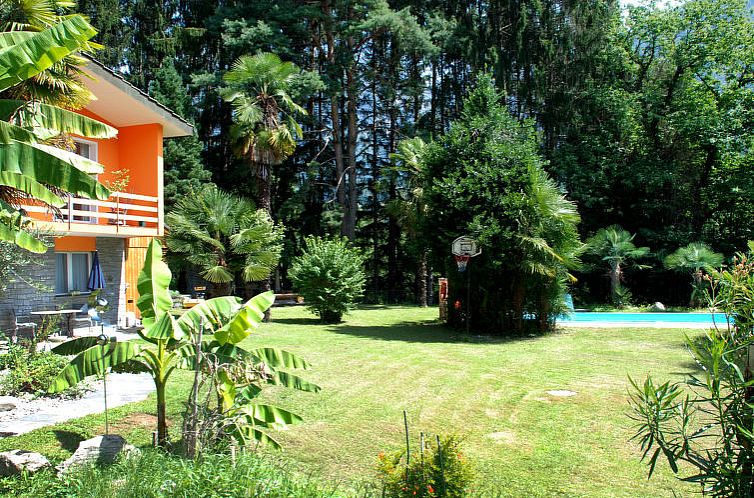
(83,317)
(22,322)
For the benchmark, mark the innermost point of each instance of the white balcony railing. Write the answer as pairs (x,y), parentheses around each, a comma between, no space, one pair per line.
(120,212)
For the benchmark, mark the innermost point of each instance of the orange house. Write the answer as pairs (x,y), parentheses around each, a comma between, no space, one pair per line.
(118,228)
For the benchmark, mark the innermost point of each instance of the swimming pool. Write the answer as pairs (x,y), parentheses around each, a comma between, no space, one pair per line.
(668,319)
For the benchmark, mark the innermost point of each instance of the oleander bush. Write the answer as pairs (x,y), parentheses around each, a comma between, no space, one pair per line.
(330,276)
(703,427)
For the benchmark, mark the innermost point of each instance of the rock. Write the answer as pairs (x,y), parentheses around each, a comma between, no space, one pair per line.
(6,407)
(14,462)
(658,306)
(98,450)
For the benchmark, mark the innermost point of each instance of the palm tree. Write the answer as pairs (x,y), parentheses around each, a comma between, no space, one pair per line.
(30,169)
(695,258)
(60,84)
(409,209)
(550,246)
(265,130)
(615,246)
(225,237)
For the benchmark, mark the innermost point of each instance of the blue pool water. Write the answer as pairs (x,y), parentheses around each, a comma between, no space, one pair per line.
(639,318)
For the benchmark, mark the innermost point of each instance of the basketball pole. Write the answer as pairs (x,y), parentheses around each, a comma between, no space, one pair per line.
(468,296)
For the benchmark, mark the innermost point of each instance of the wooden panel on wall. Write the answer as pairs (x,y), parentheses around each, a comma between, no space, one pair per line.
(136,253)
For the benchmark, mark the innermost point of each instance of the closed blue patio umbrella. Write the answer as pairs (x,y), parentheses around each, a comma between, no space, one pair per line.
(96,278)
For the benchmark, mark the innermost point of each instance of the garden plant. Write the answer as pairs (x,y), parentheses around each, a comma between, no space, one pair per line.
(172,344)
(706,423)
(29,167)
(330,276)
(615,247)
(696,259)
(224,237)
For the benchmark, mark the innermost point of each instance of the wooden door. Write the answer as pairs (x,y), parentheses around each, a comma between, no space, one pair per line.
(136,254)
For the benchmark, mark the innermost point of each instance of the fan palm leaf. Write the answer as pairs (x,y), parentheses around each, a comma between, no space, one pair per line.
(223,236)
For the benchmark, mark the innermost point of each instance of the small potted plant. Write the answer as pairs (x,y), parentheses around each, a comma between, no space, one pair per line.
(118,183)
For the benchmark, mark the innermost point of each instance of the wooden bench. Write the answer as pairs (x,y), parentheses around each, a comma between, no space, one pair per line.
(288,299)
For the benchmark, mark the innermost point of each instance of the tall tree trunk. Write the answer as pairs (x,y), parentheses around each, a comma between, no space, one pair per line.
(349,221)
(615,277)
(337,134)
(421,291)
(374,184)
(261,173)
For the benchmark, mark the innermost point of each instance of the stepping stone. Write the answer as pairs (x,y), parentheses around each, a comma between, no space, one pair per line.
(562,393)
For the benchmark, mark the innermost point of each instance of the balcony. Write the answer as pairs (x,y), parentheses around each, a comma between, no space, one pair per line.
(121,215)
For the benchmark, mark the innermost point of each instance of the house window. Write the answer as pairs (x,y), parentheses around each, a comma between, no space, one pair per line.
(89,150)
(86,148)
(72,272)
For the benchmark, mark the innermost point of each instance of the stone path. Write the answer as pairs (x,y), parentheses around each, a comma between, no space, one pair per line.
(122,388)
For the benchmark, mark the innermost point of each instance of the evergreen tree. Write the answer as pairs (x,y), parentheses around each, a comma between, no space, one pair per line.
(185,174)
(485,178)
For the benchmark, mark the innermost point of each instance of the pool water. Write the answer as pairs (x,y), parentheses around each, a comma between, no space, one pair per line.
(638,318)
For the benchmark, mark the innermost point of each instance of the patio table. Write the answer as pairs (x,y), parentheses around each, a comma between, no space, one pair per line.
(70,313)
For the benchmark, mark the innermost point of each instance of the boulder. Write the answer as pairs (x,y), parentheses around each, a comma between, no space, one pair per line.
(658,306)
(98,450)
(15,462)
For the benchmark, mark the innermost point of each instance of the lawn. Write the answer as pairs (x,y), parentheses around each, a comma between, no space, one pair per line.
(381,361)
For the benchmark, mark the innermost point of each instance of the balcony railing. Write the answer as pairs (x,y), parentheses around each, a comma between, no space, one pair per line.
(121,213)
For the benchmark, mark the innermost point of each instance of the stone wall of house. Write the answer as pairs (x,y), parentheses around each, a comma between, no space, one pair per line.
(24,298)
(112,260)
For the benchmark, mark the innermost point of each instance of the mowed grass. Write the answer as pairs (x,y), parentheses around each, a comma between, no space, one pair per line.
(383,360)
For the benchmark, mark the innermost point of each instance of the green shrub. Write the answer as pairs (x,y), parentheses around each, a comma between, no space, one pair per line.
(15,354)
(703,426)
(31,372)
(155,474)
(330,276)
(433,471)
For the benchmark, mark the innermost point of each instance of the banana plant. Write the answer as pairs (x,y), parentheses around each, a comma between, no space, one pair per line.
(169,343)
(29,169)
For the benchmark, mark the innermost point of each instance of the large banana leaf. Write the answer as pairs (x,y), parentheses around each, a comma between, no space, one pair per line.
(75,346)
(246,433)
(30,55)
(93,362)
(226,389)
(81,163)
(270,416)
(152,284)
(30,187)
(292,381)
(43,167)
(213,313)
(22,239)
(249,317)
(278,358)
(10,133)
(162,329)
(33,115)
(226,353)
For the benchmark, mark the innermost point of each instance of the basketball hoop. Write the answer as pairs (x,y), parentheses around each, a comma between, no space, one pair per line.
(462,260)
(465,248)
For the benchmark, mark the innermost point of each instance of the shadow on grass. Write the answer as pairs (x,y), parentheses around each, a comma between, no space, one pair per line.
(297,321)
(68,440)
(422,332)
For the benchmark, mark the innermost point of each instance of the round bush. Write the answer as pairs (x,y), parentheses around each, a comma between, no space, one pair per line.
(330,276)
